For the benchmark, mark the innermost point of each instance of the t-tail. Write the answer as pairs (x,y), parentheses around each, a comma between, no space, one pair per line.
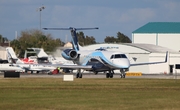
(11,56)
(73,34)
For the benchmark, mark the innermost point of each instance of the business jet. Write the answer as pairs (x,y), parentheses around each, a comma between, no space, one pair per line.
(10,67)
(41,54)
(12,58)
(95,60)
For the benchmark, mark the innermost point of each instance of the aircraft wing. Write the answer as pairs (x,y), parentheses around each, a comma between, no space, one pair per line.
(89,67)
(148,63)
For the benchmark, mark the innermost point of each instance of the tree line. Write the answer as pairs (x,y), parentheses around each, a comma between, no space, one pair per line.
(38,39)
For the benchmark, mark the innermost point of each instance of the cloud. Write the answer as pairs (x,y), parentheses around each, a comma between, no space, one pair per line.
(169,10)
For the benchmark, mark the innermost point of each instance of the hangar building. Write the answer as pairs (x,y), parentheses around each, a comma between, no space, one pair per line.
(141,52)
(3,53)
(166,34)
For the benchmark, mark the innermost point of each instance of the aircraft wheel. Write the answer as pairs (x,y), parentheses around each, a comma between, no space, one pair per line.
(96,73)
(50,73)
(121,75)
(80,75)
(77,75)
(111,75)
(107,75)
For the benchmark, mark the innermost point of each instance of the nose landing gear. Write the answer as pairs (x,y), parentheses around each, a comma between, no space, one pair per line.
(123,73)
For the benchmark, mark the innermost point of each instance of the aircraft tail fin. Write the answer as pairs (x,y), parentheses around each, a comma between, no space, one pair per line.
(11,56)
(73,34)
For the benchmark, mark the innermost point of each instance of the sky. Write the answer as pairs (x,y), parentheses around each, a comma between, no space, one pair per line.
(111,16)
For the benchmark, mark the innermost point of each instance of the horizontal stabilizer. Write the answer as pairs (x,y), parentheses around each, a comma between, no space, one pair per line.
(70,28)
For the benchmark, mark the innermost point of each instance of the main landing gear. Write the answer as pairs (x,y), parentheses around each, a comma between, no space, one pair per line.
(79,74)
(110,74)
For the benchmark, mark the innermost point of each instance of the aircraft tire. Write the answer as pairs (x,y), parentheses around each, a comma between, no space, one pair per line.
(77,75)
(107,75)
(80,75)
(96,73)
(50,73)
(111,75)
(121,75)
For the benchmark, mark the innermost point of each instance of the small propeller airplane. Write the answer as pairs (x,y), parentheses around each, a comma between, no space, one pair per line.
(95,60)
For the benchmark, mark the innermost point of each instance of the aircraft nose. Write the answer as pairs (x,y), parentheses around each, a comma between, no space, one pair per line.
(122,63)
(125,63)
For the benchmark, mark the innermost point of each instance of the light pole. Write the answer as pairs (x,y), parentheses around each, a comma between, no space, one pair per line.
(40,9)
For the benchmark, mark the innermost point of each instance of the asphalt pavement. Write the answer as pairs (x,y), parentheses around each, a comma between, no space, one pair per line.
(100,75)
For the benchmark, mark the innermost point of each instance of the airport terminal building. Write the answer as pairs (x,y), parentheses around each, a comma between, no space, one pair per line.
(140,53)
(3,53)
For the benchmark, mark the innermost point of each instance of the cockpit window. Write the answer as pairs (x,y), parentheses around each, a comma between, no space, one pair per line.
(112,57)
(123,56)
(118,56)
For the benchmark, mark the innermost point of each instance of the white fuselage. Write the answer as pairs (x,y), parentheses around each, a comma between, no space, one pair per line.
(11,67)
(106,57)
(37,67)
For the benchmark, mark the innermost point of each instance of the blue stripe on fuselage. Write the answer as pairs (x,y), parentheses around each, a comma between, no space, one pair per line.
(101,56)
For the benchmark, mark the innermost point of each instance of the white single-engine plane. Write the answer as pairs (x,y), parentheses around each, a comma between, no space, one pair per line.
(95,60)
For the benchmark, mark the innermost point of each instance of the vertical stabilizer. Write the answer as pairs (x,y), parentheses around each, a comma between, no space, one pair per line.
(11,56)
(73,34)
(74,39)
(11,53)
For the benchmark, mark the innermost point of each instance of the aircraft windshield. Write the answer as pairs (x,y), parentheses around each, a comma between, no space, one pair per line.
(118,56)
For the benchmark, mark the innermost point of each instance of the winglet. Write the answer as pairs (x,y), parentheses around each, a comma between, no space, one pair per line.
(166,56)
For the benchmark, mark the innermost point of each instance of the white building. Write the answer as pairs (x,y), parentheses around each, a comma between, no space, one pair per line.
(166,34)
(140,53)
(3,53)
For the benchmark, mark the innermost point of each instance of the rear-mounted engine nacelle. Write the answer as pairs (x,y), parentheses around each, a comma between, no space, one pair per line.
(69,54)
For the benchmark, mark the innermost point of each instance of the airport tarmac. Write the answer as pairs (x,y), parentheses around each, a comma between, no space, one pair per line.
(91,75)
